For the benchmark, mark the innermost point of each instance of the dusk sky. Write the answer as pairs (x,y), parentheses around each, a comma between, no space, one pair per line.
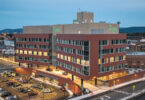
(19,13)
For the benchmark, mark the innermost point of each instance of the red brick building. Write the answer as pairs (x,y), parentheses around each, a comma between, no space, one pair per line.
(135,60)
(87,50)
(33,49)
(90,56)
(138,46)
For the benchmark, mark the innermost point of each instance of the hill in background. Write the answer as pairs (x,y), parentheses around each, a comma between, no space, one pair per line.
(11,31)
(132,30)
(121,30)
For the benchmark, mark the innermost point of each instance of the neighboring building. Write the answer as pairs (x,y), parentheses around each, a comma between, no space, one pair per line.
(8,47)
(137,46)
(135,60)
(87,56)
(1,41)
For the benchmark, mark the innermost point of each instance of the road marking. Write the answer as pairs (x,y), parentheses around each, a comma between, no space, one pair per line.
(107,96)
(123,92)
(102,98)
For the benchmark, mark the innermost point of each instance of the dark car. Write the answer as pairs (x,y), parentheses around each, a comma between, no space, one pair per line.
(26,81)
(4,80)
(24,90)
(21,89)
(16,85)
(32,93)
(38,86)
(10,83)
(5,94)
(1,91)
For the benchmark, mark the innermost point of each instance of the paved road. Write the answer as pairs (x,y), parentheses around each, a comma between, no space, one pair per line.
(119,93)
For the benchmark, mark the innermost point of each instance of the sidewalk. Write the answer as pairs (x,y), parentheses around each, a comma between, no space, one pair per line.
(101,90)
(77,81)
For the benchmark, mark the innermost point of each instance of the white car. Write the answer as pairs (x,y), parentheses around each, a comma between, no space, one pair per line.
(46,91)
(11,97)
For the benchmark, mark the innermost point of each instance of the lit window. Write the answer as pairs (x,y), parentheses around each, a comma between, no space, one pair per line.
(78,61)
(17,51)
(65,57)
(25,52)
(124,57)
(40,53)
(45,53)
(58,55)
(35,52)
(83,62)
(87,63)
(61,56)
(112,59)
(21,51)
(69,58)
(30,52)
(99,61)
(106,60)
(116,58)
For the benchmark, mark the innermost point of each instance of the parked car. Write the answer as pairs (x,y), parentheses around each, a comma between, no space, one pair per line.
(5,94)
(32,93)
(47,91)
(12,97)
(10,83)
(4,80)
(38,86)
(16,85)
(26,81)
(21,89)
(1,92)
(24,90)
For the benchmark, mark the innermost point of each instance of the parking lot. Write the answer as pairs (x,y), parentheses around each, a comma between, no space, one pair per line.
(26,88)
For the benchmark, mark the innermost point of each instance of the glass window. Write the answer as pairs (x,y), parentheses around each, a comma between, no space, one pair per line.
(69,58)
(21,51)
(124,57)
(45,53)
(17,51)
(61,56)
(35,52)
(78,70)
(25,51)
(111,59)
(30,52)
(40,53)
(78,61)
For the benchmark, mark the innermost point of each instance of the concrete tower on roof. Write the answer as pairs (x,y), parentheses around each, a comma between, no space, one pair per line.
(85,17)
